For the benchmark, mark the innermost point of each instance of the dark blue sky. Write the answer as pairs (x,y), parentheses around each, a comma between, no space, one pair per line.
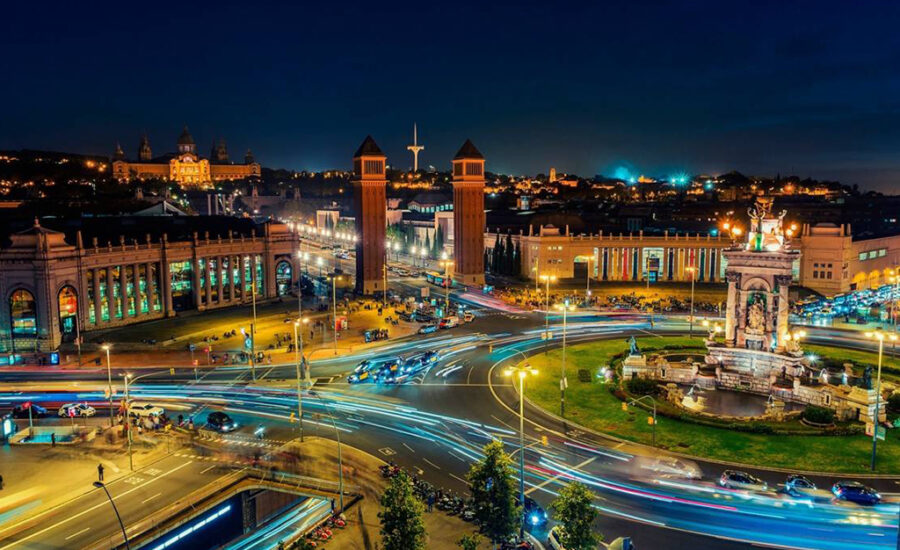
(811,88)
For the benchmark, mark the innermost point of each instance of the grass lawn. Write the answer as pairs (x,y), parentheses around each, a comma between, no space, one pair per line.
(592,405)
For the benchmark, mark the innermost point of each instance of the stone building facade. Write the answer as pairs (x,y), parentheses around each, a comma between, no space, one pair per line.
(185,167)
(54,290)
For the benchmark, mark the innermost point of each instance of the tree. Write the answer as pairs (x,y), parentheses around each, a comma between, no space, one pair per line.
(438,241)
(428,243)
(493,491)
(517,261)
(572,508)
(469,542)
(402,527)
(509,259)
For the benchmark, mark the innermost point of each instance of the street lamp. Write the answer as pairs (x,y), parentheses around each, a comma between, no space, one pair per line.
(109,382)
(298,358)
(653,402)
(334,279)
(563,381)
(521,372)
(448,282)
(879,335)
(547,280)
(692,270)
(100,485)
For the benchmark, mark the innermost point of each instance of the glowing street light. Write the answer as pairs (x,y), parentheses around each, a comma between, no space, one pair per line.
(521,372)
(563,381)
(879,335)
(547,280)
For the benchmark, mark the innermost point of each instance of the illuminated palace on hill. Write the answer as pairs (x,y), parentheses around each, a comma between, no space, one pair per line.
(185,166)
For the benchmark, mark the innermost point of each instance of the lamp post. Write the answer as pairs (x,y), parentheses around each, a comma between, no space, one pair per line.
(253,332)
(109,383)
(879,335)
(100,485)
(692,270)
(521,372)
(337,434)
(298,358)
(448,282)
(547,279)
(563,381)
(334,279)
(319,263)
(128,424)
(653,402)
(587,290)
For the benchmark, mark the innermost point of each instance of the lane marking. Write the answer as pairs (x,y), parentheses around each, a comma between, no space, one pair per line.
(146,500)
(73,535)
(92,508)
(208,469)
(432,464)
(546,482)
(408,447)
(466,483)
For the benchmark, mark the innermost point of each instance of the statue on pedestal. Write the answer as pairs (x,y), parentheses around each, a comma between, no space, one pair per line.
(633,347)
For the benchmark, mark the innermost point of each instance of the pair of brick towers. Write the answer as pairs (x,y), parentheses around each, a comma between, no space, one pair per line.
(370,202)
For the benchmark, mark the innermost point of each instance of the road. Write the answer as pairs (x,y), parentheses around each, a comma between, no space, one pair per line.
(435,426)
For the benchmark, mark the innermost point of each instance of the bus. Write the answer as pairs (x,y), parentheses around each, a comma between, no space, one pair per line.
(436,278)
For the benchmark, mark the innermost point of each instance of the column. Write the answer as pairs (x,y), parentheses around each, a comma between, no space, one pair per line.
(98,303)
(231,264)
(151,287)
(207,283)
(242,278)
(123,290)
(165,281)
(219,283)
(253,281)
(110,293)
(734,279)
(783,282)
(195,281)
(136,283)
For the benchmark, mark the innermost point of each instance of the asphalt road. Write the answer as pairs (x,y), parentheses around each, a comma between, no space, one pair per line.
(435,425)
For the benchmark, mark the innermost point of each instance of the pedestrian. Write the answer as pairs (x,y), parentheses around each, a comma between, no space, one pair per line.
(1,483)
(430,501)
(52,439)
(100,471)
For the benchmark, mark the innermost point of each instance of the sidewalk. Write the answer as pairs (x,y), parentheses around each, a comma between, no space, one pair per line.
(318,457)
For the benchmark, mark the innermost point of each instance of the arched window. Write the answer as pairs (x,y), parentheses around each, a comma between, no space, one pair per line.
(283,272)
(68,309)
(23,313)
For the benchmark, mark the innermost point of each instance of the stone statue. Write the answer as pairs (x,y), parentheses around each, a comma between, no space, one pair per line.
(867,377)
(633,347)
(756,318)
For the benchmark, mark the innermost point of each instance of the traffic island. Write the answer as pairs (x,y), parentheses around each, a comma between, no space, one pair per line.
(595,400)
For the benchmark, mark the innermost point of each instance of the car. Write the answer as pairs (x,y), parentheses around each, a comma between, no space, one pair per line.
(554,540)
(468,317)
(21,411)
(428,329)
(387,371)
(221,422)
(535,516)
(733,479)
(143,409)
(362,371)
(854,491)
(79,409)
(670,466)
(449,322)
(797,485)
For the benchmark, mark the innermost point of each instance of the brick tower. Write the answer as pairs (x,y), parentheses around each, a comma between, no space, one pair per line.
(369,182)
(468,215)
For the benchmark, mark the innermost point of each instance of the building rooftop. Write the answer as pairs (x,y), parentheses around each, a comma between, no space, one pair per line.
(368,148)
(468,151)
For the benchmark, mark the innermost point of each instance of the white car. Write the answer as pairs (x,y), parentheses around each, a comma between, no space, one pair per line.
(143,409)
(79,409)
(468,317)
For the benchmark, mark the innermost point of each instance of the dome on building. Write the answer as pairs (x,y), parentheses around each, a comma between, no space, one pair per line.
(185,138)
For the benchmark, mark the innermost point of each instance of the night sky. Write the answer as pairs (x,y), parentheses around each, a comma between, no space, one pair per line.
(617,88)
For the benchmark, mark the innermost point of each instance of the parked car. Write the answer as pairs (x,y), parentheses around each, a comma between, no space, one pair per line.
(468,317)
(732,479)
(143,409)
(797,485)
(428,329)
(21,411)
(80,409)
(854,491)
(221,422)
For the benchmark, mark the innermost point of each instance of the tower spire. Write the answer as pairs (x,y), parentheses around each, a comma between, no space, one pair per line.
(415,148)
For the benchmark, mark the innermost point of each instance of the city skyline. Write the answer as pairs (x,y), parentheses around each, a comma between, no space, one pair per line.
(588,90)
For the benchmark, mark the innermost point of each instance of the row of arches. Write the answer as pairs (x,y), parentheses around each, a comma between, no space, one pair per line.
(871,279)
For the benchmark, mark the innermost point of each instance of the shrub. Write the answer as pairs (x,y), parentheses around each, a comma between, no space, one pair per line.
(641,386)
(893,403)
(818,415)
